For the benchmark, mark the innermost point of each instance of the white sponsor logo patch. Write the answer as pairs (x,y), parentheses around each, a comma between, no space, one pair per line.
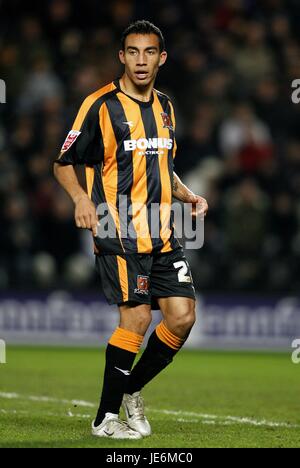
(71,138)
(148,143)
(130,123)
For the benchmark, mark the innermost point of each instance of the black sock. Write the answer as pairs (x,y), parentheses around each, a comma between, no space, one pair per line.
(116,376)
(155,358)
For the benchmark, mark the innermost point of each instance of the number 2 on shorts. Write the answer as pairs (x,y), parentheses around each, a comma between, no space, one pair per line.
(183,275)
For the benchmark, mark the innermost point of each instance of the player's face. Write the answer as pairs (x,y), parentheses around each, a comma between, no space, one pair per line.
(142,58)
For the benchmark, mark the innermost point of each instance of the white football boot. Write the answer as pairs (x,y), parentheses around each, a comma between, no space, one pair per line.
(114,428)
(134,409)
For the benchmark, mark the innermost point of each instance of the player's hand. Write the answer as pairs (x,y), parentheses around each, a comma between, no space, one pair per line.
(85,214)
(199,205)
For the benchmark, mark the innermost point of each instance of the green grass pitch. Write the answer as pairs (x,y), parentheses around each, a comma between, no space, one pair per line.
(204,399)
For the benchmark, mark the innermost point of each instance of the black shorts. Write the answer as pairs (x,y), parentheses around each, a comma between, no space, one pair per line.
(143,278)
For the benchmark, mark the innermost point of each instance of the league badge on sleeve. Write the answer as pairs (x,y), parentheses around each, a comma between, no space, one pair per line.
(71,138)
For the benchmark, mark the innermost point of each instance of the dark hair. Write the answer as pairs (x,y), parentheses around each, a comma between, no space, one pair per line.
(143,27)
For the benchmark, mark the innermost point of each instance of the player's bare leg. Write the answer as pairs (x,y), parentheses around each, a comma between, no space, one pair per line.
(121,351)
(135,317)
(179,315)
(168,338)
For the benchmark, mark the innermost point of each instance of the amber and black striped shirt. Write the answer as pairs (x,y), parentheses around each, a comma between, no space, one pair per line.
(127,147)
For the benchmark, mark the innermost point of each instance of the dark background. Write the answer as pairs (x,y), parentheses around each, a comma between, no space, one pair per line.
(229,73)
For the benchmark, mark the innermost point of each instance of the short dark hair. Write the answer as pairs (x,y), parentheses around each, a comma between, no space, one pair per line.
(143,27)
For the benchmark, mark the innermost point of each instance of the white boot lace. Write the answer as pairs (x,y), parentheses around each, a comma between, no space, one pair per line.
(118,425)
(138,403)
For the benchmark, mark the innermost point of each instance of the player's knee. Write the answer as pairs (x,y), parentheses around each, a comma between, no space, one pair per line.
(143,319)
(135,317)
(186,321)
(138,322)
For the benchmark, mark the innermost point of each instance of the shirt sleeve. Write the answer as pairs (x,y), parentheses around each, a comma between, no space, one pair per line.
(84,142)
(174,128)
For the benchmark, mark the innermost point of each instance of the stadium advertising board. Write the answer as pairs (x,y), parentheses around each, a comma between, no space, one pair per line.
(222,321)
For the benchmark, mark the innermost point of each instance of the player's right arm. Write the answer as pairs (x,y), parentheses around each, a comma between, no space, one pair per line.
(85,211)
(83,145)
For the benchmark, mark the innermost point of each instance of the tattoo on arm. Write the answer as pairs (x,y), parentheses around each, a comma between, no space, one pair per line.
(175,185)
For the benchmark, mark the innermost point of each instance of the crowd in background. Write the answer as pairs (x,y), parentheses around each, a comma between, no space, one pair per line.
(229,73)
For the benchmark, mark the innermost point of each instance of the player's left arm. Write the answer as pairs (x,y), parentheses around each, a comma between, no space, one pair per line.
(181,191)
(184,194)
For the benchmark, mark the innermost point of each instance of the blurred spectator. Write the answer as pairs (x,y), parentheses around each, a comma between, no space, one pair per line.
(244,136)
(41,84)
(254,59)
(246,209)
(245,231)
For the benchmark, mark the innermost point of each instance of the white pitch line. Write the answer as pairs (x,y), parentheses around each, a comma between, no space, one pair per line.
(45,399)
(193,416)
(69,414)
(47,413)
(236,419)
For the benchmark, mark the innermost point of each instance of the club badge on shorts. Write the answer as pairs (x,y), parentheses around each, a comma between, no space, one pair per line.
(142,283)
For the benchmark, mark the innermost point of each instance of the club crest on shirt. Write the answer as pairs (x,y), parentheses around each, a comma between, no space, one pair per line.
(167,122)
(142,285)
(71,138)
